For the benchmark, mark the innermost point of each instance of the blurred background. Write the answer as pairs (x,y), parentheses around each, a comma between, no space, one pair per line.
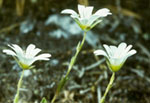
(39,22)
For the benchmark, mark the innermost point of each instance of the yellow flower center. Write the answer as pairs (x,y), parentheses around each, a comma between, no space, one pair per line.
(114,68)
(24,66)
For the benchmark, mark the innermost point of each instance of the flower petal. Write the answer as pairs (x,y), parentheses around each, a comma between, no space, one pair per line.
(121,48)
(39,57)
(69,11)
(9,52)
(130,53)
(43,57)
(100,52)
(17,49)
(81,9)
(108,50)
(75,16)
(113,51)
(128,48)
(83,21)
(35,52)
(29,50)
(116,61)
(88,11)
(125,51)
(103,12)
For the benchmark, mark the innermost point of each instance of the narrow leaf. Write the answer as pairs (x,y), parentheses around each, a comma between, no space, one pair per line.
(43,100)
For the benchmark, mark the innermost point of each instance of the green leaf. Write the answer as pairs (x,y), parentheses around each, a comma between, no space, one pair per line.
(43,100)
(62,83)
(78,46)
(72,60)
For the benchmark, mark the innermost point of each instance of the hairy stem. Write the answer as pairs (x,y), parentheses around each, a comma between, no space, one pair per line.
(108,87)
(72,62)
(16,99)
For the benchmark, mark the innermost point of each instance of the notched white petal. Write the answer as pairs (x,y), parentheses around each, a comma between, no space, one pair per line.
(35,52)
(88,11)
(81,9)
(103,12)
(108,50)
(121,48)
(130,53)
(17,49)
(122,45)
(9,52)
(100,52)
(43,57)
(128,48)
(113,48)
(30,49)
(69,11)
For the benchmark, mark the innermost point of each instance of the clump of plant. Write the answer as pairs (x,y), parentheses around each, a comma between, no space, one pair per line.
(115,58)
(86,21)
(25,60)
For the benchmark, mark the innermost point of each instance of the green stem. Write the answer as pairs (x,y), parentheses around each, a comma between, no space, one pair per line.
(76,54)
(108,87)
(72,62)
(16,99)
(54,98)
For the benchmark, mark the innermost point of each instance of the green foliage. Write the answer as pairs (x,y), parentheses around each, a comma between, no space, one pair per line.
(43,100)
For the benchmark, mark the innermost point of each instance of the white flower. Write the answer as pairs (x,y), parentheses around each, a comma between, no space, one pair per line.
(116,56)
(26,58)
(85,19)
